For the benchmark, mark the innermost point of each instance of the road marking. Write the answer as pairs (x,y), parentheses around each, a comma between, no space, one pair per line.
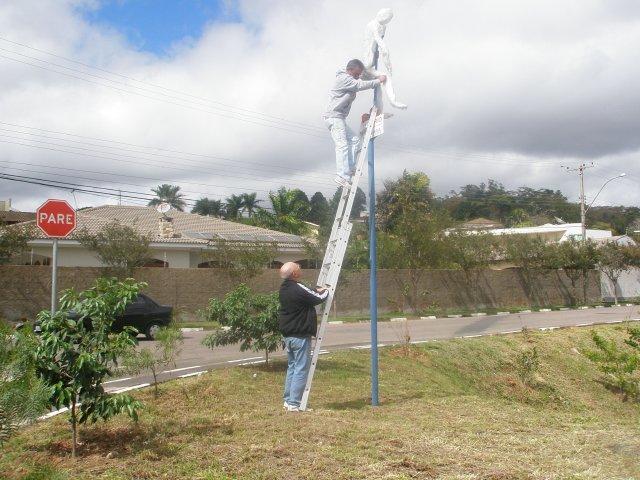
(252,363)
(127,389)
(192,374)
(243,359)
(118,380)
(181,369)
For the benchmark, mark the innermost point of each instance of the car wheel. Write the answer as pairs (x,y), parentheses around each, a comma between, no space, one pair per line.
(152,330)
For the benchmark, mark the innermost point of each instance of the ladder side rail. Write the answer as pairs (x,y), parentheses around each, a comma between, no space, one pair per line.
(325,317)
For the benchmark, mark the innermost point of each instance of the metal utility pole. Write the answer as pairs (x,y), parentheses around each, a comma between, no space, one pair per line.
(373,258)
(580,169)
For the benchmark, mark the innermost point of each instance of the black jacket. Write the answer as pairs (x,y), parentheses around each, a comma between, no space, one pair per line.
(297,315)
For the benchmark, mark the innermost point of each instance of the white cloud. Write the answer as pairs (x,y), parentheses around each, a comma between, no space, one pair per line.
(496,89)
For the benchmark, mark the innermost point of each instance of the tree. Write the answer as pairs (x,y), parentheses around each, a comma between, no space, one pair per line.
(471,252)
(13,240)
(412,233)
(77,351)
(246,318)
(409,192)
(233,207)
(23,396)
(528,253)
(359,203)
(164,352)
(319,208)
(170,194)
(208,207)
(118,246)
(250,203)
(577,259)
(612,262)
(289,212)
(242,260)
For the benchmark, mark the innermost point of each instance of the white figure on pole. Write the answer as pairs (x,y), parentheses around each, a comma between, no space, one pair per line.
(374,46)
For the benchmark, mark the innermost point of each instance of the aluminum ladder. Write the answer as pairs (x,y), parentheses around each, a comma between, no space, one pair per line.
(336,248)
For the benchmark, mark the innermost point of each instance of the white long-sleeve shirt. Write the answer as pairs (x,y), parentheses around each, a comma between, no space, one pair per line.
(343,93)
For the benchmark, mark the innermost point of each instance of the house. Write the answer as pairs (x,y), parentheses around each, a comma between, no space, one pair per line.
(550,232)
(8,216)
(177,239)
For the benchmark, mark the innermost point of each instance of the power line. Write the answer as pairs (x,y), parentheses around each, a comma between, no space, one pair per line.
(255,112)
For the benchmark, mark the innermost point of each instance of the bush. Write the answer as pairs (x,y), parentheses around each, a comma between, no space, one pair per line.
(619,363)
(245,318)
(23,396)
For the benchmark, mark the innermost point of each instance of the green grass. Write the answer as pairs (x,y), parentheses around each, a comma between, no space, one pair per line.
(453,409)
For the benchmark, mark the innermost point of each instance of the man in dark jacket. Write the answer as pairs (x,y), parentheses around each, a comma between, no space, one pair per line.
(298,323)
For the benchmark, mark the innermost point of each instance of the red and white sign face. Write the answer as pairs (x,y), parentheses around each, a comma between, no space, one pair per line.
(56,218)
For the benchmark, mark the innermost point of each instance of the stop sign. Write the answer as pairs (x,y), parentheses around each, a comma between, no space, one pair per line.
(56,218)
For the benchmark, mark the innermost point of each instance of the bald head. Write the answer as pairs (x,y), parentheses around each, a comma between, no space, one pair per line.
(290,270)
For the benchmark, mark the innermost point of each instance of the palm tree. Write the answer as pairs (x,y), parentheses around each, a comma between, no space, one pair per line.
(234,206)
(250,203)
(168,194)
(289,212)
(208,207)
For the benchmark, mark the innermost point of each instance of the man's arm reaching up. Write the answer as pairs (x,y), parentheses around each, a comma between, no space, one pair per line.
(311,297)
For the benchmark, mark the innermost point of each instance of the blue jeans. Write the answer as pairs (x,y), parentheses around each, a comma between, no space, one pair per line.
(299,356)
(347,146)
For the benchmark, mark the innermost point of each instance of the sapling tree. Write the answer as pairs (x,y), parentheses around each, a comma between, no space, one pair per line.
(23,396)
(245,318)
(166,348)
(619,363)
(77,351)
(577,259)
(13,240)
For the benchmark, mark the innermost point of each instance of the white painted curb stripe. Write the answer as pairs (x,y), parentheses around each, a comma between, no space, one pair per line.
(118,380)
(244,359)
(336,322)
(192,374)
(191,329)
(252,363)
(128,389)
(182,369)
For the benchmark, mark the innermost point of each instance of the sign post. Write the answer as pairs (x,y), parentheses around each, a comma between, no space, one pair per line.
(56,219)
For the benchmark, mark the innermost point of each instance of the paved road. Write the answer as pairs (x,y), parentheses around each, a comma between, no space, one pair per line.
(196,359)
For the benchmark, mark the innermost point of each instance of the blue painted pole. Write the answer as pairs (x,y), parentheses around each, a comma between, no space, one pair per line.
(373,262)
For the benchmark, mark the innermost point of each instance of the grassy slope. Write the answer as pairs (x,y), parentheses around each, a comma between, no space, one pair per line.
(451,410)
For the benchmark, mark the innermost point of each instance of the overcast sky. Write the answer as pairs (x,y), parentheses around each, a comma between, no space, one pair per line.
(225,97)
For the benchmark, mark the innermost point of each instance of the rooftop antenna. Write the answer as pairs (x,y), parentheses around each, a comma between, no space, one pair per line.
(163,208)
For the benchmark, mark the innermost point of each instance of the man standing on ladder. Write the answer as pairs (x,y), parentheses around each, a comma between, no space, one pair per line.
(341,97)
(298,323)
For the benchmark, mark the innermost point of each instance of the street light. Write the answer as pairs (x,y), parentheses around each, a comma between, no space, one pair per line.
(584,214)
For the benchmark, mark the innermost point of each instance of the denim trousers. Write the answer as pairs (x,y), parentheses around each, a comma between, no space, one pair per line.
(299,358)
(347,146)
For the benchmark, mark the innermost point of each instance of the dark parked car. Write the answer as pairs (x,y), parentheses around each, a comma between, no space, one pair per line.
(145,315)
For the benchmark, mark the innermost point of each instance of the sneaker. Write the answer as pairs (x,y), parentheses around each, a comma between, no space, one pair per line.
(343,182)
(285,405)
(293,408)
